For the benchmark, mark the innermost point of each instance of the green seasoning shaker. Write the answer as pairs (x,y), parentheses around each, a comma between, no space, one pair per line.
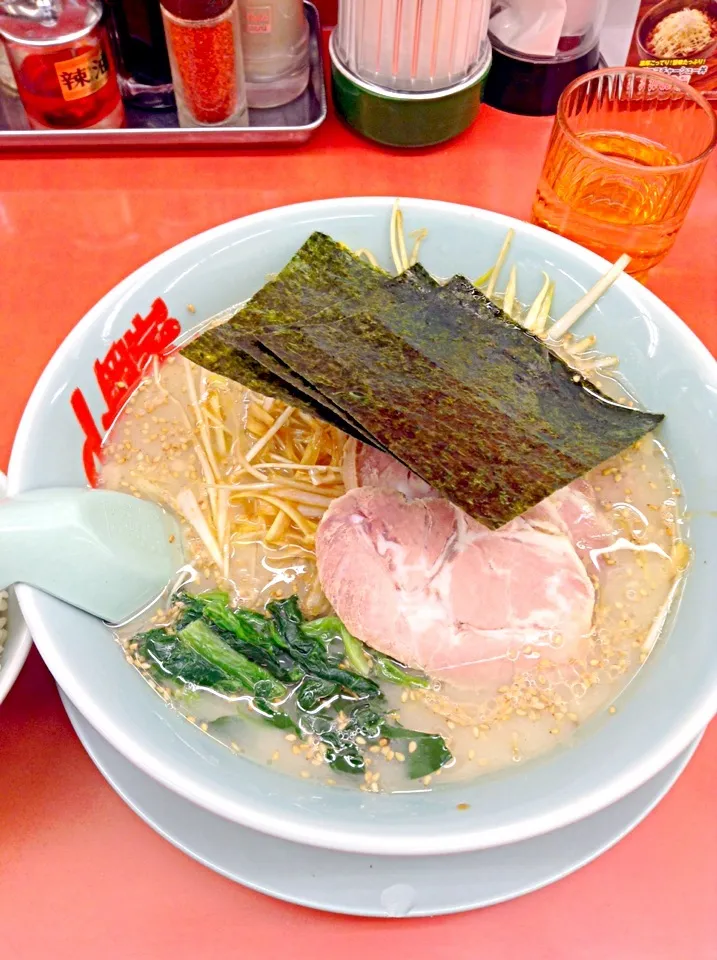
(410,74)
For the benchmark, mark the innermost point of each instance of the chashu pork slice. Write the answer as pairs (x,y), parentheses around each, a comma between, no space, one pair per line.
(419,580)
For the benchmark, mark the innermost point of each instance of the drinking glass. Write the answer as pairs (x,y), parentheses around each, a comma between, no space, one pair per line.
(626,154)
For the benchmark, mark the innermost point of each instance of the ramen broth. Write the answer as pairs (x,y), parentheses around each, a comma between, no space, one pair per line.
(182,426)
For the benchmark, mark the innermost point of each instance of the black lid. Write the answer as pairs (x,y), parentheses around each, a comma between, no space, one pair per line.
(531,87)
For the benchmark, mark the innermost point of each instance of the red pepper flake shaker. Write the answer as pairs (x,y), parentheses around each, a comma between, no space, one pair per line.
(205,54)
(63,67)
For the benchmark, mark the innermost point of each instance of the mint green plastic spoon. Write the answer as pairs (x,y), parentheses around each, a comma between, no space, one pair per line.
(108,553)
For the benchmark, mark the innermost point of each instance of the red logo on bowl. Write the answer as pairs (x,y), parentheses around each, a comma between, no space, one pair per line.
(119,373)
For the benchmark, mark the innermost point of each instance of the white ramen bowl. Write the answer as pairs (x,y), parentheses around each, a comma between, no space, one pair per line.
(664,708)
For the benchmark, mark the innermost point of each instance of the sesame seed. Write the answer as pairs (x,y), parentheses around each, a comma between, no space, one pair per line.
(612,710)
(305,774)
(471,754)
(412,747)
(291,737)
(463,806)
(427,780)
(275,755)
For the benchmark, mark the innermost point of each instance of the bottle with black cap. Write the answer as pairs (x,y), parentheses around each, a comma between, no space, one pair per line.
(538,49)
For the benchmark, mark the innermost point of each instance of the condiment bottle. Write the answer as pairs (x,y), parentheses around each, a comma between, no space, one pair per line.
(275,41)
(63,67)
(204,43)
(412,45)
(136,29)
(538,49)
(410,73)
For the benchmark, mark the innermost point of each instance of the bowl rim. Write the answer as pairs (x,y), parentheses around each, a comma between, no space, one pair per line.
(248,814)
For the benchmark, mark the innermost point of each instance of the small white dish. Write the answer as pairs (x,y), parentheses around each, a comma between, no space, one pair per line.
(17,645)
(371,886)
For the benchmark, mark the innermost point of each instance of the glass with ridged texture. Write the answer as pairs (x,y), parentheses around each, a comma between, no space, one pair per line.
(626,154)
(412,45)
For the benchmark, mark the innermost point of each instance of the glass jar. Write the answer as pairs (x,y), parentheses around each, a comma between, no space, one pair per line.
(204,43)
(275,43)
(412,45)
(137,32)
(63,67)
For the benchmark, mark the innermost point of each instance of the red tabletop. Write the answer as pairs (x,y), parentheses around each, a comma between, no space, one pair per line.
(81,877)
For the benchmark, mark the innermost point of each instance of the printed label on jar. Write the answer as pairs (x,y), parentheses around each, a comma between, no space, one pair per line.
(257,19)
(84,75)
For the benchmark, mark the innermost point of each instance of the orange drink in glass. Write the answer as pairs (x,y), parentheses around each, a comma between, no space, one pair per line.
(626,154)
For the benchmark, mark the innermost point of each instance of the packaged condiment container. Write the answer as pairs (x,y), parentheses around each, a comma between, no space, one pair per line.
(678,38)
(140,47)
(410,73)
(205,54)
(275,43)
(63,67)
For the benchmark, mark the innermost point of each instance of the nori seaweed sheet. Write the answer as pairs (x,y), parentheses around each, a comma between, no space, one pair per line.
(233,351)
(441,378)
(275,369)
(212,353)
(235,335)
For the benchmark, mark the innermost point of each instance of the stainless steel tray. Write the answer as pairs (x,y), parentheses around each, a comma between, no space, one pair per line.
(154,129)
